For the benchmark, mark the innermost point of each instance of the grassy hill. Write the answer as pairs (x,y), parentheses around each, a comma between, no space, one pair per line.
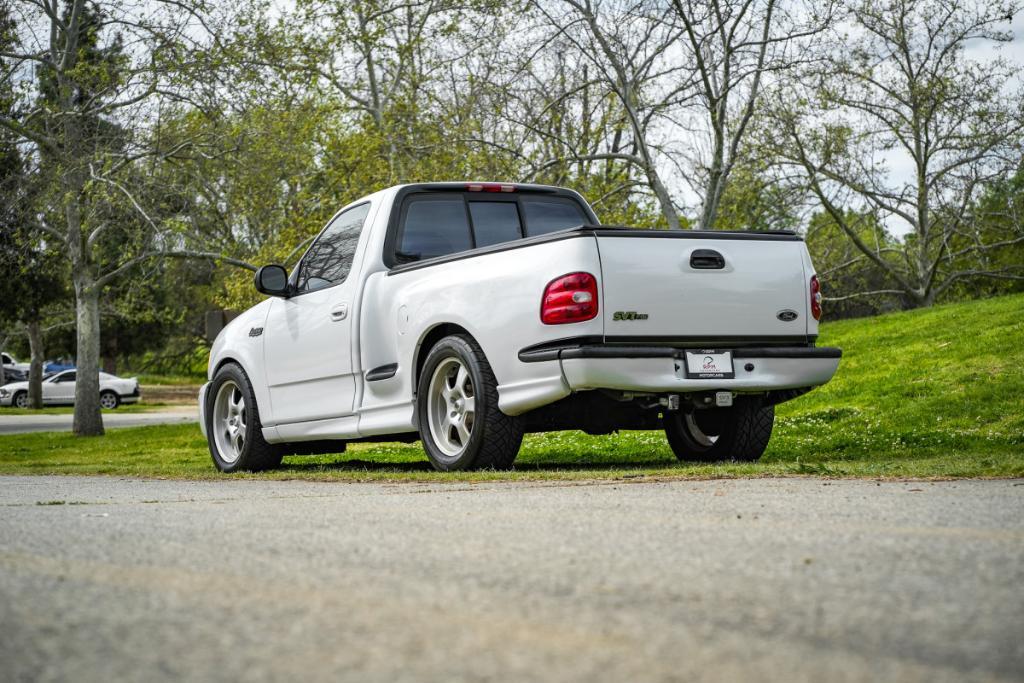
(947,382)
(933,393)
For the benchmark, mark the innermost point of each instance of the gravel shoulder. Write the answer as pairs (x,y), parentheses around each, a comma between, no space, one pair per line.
(769,579)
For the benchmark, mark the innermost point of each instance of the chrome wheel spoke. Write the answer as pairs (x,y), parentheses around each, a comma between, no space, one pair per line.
(451,407)
(463,431)
(461,379)
(229,422)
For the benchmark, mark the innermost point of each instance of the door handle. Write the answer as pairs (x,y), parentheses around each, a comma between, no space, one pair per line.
(339,312)
(706,259)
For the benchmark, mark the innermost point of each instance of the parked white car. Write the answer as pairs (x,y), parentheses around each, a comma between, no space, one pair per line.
(59,389)
(10,363)
(466,314)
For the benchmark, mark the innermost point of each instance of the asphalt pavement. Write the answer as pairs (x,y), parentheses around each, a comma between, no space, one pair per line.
(105,579)
(36,422)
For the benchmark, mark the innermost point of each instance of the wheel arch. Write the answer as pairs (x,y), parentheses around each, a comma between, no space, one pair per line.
(427,341)
(224,361)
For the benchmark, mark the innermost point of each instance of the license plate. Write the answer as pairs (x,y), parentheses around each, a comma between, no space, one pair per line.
(709,364)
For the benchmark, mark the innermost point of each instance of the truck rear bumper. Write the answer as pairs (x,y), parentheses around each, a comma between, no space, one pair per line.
(660,369)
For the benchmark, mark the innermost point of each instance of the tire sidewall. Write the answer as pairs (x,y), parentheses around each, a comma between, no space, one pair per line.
(738,439)
(117,399)
(697,451)
(232,372)
(451,347)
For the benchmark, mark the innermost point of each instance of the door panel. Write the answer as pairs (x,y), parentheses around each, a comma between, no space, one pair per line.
(60,392)
(308,356)
(308,347)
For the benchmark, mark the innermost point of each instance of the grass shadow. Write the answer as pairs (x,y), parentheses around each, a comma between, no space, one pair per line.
(302,464)
(297,465)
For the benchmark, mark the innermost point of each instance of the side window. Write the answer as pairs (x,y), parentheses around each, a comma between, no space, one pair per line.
(329,258)
(494,222)
(67,377)
(7,360)
(434,227)
(550,214)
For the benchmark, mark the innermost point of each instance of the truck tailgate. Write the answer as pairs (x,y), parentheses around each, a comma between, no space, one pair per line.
(680,287)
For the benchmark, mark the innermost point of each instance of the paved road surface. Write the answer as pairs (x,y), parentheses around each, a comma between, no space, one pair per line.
(19,424)
(721,581)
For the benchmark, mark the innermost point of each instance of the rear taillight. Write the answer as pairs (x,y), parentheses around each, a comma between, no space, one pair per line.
(815,297)
(571,298)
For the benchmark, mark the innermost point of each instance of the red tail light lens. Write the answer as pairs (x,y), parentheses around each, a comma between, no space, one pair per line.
(571,298)
(815,297)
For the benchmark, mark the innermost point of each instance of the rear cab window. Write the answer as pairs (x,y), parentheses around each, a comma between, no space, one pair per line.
(433,224)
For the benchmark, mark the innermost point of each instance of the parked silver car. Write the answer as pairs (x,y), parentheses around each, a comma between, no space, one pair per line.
(59,389)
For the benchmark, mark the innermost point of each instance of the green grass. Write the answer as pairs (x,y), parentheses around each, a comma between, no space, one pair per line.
(168,380)
(935,393)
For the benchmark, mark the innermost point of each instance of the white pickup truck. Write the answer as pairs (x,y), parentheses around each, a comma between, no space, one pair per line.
(467,314)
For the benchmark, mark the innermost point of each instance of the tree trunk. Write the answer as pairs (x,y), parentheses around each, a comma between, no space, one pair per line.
(88,420)
(712,198)
(716,179)
(35,369)
(110,357)
(668,209)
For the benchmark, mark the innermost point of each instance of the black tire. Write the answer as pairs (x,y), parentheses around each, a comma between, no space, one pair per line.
(18,397)
(738,433)
(256,454)
(495,437)
(110,396)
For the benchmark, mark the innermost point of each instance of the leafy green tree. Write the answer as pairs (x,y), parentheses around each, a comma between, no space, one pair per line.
(85,122)
(853,285)
(897,84)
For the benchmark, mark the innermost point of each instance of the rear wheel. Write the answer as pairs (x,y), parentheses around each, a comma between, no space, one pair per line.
(109,400)
(738,433)
(457,409)
(233,430)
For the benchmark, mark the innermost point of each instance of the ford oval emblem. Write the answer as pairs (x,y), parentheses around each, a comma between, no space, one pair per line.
(787,315)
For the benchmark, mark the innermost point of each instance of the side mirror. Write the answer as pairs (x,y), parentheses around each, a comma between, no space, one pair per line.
(272,280)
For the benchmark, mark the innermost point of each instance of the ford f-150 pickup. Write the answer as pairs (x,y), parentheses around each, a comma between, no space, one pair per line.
(467,314)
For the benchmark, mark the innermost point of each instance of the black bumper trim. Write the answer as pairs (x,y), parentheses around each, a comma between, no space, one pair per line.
(615,351)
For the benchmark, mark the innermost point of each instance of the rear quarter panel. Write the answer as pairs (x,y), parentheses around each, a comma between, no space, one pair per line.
(494,297)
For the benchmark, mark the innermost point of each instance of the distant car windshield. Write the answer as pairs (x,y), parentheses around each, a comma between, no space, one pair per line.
(443,223)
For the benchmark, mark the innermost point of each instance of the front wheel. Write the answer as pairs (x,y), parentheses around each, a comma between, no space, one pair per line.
(738,433)
(233,430)
(21,399)
(457,410)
